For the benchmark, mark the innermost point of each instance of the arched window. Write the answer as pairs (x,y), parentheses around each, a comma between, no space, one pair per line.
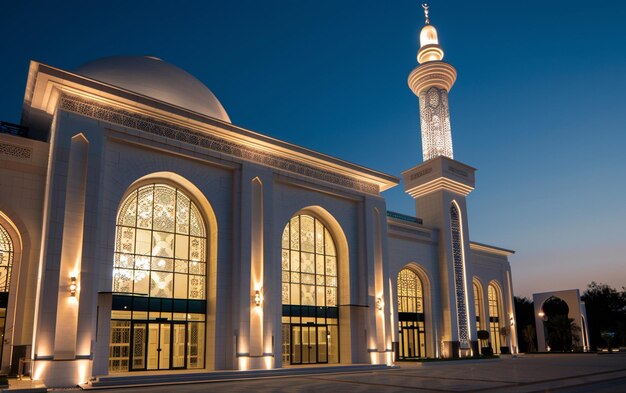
(410,295)
(478,303)
(411,315)
(494,318)
(7,253)
(159,281)
(309,293)
(6,259)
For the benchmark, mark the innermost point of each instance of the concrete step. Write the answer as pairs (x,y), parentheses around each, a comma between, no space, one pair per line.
(179,377)
(24,386)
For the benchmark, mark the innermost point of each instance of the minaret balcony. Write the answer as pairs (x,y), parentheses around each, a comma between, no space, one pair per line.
(433,73)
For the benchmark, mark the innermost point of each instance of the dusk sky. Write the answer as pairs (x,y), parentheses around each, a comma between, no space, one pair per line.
(538,106)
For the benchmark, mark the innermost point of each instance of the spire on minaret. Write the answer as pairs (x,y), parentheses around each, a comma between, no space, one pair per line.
(429,42)
(431,81)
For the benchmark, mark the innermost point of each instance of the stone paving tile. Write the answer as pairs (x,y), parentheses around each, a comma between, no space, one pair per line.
(540,373)
(408,381)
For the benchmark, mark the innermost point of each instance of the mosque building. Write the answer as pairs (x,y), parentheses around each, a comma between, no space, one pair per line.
(142,230)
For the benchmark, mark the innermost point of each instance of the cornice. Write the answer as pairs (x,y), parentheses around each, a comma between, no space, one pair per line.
(248,152)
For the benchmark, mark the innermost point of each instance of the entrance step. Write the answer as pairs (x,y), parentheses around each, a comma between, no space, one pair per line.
(25,386)
(182,377)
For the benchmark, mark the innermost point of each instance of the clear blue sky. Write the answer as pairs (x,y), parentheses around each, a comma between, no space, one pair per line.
(538,107)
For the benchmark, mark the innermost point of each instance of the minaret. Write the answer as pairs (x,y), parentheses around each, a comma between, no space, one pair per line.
(431,82)
(439,186)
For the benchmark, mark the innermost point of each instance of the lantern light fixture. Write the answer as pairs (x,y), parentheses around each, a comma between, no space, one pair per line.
(73,286)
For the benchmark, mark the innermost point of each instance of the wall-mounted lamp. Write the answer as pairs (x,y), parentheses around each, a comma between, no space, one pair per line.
(258,298)
(512,321)
(73,286)
(380,303)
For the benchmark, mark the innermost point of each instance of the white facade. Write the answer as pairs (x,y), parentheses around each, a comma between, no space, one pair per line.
(79,309)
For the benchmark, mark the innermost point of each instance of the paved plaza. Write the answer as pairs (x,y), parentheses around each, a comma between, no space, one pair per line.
(527,373)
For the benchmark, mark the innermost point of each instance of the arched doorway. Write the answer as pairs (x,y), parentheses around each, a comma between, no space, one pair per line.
(411,320)
(495,318)
(310,313)
(158,315)
(560,330)
(7,260)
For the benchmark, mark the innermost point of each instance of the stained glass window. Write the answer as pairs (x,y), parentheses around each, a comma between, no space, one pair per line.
(160,245)
(6,259)
(410,296)
(309,263)
(159,265)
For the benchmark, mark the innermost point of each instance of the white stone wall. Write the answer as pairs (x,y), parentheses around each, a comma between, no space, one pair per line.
(494,268)
(416,247)
(23,164)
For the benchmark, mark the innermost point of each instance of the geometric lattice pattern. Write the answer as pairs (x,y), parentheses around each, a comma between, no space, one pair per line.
(119,346)
(410,295)
(6,259)
(459,274)
(435,121)
(160,245)
(309,264)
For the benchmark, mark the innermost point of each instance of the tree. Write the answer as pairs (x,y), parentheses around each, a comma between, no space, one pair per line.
(606,311)
(561,332)
(525,316)
(559,327)
(529,336)
(483,336)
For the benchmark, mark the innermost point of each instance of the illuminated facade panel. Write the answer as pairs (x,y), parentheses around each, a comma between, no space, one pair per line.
(435,122)
(459,274)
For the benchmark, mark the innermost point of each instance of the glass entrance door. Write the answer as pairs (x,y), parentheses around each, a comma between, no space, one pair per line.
(309,344)
(411,342)
(159,346)
(179,331)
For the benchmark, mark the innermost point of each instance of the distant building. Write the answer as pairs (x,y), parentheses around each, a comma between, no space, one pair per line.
(572,308)
(141,229)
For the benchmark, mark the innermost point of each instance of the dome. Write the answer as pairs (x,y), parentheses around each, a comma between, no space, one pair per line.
(429,45)
(156,79)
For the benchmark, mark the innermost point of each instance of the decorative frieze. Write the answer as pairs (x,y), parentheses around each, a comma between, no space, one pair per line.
(136,121)
(19,152)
